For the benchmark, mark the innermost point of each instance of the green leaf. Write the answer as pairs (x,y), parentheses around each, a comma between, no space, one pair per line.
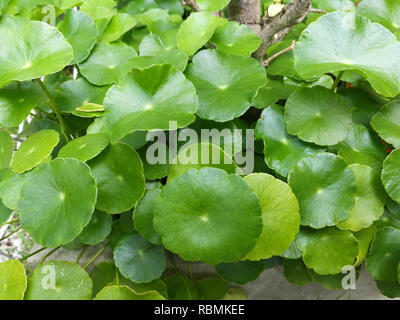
(6,149)
(107,63)
(211,288)
(385,12)
(97,230)
(362,146)
(181,288)
(158,170)
(5,213)
(240,272)
(383,259)
(119,25)
(333,5)
(329,45)
(197,156)
(16,102)
(118,171)
(212,5)
(318,115)
(10,188)
(208,215)
(226,85)
(13,280)
(280,213)
(31,49)
(271,92)
(174,57)
(328,250)
(139,260)
(370,199)
(85,148)
(196,30)
(292,252)
(153,45)
(59,280)
(57,201)
(387,123)
(237,39)
(296,272)
(390,289)
(281,150)
(325,189)
(140,6)
(101,275)
(149,99)
(80,31)
(34,150)
(98,9)
(126,293)
(364,237)
(143,217)
(391,175)
(236,293)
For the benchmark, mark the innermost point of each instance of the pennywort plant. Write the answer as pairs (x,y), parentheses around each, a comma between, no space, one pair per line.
(103,106)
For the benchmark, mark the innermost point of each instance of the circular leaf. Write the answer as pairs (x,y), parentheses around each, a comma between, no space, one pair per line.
(118,171)
(317,115)
(208,215)
(80,31)
(240,272)
(212,5)
(31,49)
(57,201)
(296,272)
(59,280)
(328,250)
(376,53)
(211,288)
(149,99)
(97,230)
(10,188)
(282,151)
(119,24)
(13,280)
(384,256)
(126,293)
(139,260)
(387,123)
(34,150)
(325,189)
(391,175)
(143,217)
(370,199)
(226,85)
(280,214)
(107,63)
(85,148)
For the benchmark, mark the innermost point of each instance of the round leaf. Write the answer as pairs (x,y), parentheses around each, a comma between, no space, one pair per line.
(325,189)
(57,201)
(240,272)
(211,288)
(370,199)
(85,148)
(119,24)
(387,123)
(329,45)
(13,280)
(317,115)
(212,5)
(59,280)
(107,63)
(226,85)
(34,150)
(10,188)
(118,171)
(383,259)
(208,215)
(296,272)
(31,49)
(97,230)
(391,175)
(126,293)
(139,260)
(281,150)
(280,214)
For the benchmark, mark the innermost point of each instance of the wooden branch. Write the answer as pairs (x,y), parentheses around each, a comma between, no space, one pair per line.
(193,4)
(276,55)
(280,24)
(246,12)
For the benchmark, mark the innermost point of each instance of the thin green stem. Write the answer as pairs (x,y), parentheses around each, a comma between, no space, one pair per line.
(189,267)
(338,78)
(54,107)
(9,222)
(81,254)
(48,254)
(10,234)
(95,256)
(32,254)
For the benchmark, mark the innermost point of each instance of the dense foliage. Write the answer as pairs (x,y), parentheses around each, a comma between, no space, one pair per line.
(83,82)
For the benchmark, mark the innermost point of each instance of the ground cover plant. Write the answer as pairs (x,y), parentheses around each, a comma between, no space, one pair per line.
(102,104)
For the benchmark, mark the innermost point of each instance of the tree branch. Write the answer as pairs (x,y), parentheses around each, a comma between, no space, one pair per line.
(246,12)
(280,25)
(276,55)
(193,4)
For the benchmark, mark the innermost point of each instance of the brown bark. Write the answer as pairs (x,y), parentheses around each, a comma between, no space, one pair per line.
(246,12)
